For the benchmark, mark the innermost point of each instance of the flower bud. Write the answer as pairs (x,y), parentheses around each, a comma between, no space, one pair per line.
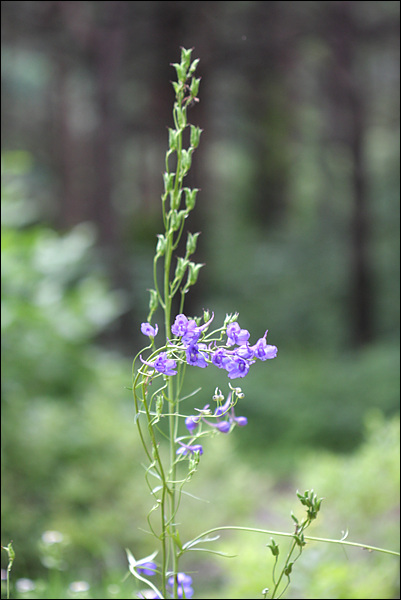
(186,160)
(193,273)
(154,300)
(186,57)
(193,66)
(190,198)
(180,269)
(175,219)
(161,245)
(168,179)
(173,139)
(191,245)
(181,71)
(195,136)
(175,199)
(194,87)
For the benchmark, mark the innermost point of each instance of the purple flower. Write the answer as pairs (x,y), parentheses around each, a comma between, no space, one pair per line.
(180,326)
(196,356)
(148,330)
(163,364)
(146,568)
(184,585)
(244,352)
(237,367)
(223,426)
(191,423)
(224,408)
(236,335)
(187,329)
(262,350)
(185,448)
(220,358)
(241,421)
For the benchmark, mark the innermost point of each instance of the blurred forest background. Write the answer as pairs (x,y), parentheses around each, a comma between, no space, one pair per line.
(298,168)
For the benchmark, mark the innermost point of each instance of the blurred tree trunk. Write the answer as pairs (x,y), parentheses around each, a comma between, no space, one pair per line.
(66,150)
(346,93)
(99,37)
(107,53)
(268,110)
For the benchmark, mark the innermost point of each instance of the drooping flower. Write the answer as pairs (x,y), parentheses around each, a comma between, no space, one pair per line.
(224,408)
(196,355)
(241,421)
(148,330)
(236,335)
(186,448)
(184,585)
(262,350)
(191,423)
(223,426)
(162,364)
(237,367)
(219,358)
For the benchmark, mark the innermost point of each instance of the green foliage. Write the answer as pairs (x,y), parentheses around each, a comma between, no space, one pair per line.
(63,399)
(361,494)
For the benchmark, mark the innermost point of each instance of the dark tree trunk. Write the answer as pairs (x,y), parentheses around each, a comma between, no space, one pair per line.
(346,95)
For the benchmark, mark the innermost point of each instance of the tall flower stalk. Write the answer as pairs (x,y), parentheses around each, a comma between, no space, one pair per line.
(187,341)
(158,376)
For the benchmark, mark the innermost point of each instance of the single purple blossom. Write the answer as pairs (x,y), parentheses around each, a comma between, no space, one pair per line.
(146,568)
(241,421)
(196,355)
(180,325)
(262,350)
(237,367)
(187,329)
(148,330)
(220,358)
(223,426)
(185,448)
(191,423)
(162,364)
(224,408)
(192,334)
(236,335)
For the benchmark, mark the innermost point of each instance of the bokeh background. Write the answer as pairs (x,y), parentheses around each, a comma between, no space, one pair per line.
(298,169)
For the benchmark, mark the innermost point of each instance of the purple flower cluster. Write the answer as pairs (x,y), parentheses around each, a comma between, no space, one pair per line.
(235,360)
(184,585)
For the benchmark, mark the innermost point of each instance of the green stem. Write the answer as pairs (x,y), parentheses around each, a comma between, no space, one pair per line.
(283,534)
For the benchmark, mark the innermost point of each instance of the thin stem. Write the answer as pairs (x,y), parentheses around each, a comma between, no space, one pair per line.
(283,534)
